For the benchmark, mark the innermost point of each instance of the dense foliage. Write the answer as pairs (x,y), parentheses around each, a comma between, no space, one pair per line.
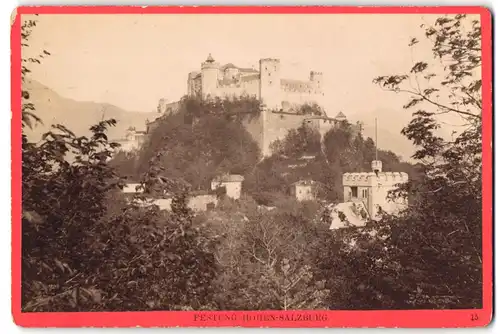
(265,257)
(430,257)
(84,247)
(303,155)
(202,140)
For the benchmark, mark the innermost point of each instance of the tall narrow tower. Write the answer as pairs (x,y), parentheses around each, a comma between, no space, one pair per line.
(270,83)
(316,79)
(270,96)
(209,76)
(376,164)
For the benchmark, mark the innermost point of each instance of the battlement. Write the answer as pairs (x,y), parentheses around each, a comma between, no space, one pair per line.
(313,73)
(369,178)
(357,176)
(269,60)
(209,65)
(299,86)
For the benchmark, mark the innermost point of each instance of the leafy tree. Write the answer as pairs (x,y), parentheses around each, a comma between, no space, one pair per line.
(430,257)
(452,167)
(72,260)
(125,164)
(200,142)
(298,142)
(273,269)
(300,156)
(73,200)
(28,116)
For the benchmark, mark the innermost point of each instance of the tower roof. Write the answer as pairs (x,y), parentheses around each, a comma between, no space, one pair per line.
(340,115)
(210,59)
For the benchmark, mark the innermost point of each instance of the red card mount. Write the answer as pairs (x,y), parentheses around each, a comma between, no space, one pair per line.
(310,318)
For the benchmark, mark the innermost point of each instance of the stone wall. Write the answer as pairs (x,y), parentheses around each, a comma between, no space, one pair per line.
(254,125)
(276,127)
(271,126)
(195,203)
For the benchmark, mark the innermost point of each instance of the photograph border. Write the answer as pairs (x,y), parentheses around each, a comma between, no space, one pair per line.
(289,319)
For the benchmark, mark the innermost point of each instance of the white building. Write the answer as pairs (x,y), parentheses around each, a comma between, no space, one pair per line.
(232,183)
(133,140)
(304,190)
(366,195)
(372,189)
(132,188)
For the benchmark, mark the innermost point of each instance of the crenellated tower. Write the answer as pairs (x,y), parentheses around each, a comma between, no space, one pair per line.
(316,79)
(373,188)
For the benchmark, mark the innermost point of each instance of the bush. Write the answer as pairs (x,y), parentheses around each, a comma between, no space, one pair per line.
(73,261)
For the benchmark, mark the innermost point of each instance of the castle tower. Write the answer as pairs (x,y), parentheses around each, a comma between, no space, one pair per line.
(270,96)
(190,83)
(317,79)
(373,188)
(270,83)
(209,76)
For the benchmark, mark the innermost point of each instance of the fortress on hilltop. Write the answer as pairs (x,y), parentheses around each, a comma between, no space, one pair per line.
(283,99)
(285,103)
(266,84)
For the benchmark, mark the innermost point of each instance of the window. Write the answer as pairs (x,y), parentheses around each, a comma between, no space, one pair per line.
(354,191)
(364,193)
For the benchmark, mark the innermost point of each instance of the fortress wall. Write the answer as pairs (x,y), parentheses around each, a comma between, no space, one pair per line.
(321,125)
(251,87)
(277,126)
(325,126)
(254,126)
(229,91)
(244,88)
(299,98)
(168,108)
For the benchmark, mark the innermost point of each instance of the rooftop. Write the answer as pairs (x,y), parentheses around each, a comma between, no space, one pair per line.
(229,178)
(354,212)
(340,115)
(374,174)
(210,59)
(304,183)
(241,69)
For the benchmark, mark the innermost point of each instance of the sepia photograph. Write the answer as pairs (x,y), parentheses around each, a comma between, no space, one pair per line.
(244,161)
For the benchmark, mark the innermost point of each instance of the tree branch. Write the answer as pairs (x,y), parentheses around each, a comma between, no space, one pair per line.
(437,104)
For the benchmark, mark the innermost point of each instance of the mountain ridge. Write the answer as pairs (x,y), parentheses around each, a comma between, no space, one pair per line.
(52,108)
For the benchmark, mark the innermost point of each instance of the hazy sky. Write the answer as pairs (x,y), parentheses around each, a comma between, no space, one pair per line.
(134,60)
